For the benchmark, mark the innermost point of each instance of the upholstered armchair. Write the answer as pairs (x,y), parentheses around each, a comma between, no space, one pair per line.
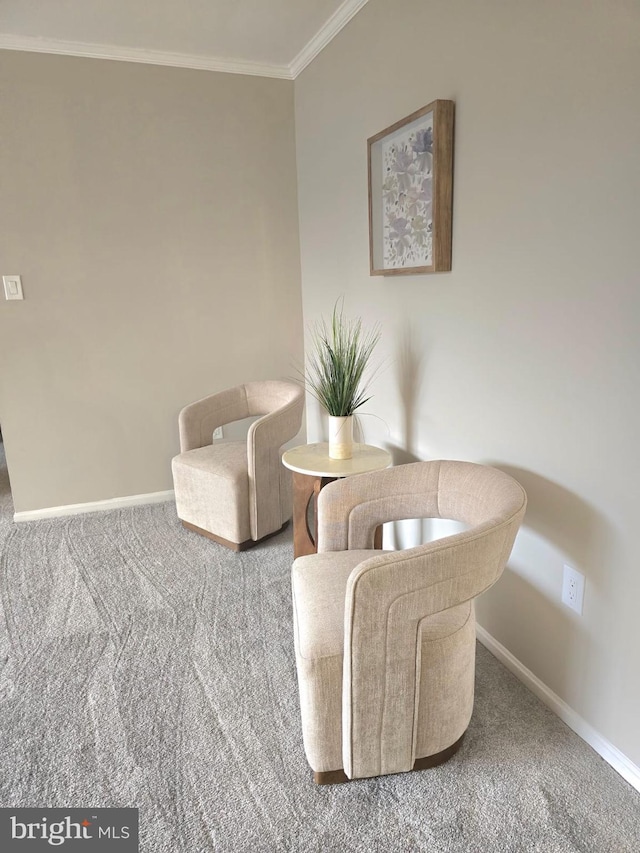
(237,492)
(385,640)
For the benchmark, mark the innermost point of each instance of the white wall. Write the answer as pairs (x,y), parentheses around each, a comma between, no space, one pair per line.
(152,214)
(527,354)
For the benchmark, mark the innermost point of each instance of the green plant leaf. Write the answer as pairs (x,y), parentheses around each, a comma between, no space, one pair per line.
(336,365)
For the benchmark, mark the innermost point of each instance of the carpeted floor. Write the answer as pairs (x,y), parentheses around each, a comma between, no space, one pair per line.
(142,665)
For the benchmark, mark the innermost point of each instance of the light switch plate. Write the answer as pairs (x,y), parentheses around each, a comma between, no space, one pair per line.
(12,287)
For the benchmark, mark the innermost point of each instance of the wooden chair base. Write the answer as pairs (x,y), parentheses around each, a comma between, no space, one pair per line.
(337,777)
(233,546)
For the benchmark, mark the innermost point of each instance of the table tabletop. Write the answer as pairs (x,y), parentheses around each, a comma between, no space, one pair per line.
(314,459)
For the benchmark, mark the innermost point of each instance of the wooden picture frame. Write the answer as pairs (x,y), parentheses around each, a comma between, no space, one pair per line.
(410,167)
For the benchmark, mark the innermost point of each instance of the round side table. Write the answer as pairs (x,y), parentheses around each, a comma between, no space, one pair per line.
(312,469)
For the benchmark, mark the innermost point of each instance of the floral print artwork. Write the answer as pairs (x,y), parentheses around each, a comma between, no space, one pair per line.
(407,196)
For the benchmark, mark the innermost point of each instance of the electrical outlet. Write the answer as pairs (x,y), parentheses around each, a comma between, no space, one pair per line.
(217,433)
(572,589)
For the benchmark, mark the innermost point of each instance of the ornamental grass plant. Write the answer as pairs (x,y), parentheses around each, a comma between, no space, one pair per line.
(338,362)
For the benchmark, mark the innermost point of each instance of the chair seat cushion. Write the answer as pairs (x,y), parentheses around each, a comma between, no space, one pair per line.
(319,584)
(212,489)
(226,459)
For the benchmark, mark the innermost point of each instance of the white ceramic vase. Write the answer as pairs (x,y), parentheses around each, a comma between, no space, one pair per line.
(340,437)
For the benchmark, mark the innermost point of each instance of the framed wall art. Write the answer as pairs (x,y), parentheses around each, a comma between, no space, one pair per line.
(411,193)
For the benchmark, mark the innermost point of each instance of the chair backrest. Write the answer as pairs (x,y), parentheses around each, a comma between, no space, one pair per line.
(198,420)
(269,395)
(350,510)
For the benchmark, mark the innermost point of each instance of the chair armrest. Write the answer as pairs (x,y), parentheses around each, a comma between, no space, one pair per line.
(198,420)
(264,441)
(387,599)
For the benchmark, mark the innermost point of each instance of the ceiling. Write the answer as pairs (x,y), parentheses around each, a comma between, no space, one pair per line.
(272,38)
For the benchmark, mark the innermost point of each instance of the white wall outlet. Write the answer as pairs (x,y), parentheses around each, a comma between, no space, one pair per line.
(12,287)
(217,433)
(572,589)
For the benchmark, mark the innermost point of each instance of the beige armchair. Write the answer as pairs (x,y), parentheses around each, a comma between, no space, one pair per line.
(385,641)
(237,492)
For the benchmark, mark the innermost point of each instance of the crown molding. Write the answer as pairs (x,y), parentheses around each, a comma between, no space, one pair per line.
(149,57)
(325,34)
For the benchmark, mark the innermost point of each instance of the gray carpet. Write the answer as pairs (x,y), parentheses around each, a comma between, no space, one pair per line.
(142,665)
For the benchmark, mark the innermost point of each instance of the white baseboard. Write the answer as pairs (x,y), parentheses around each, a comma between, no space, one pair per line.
(611,754)
(94,506)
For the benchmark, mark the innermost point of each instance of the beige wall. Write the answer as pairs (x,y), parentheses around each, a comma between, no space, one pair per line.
(527,354)
(152,215)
